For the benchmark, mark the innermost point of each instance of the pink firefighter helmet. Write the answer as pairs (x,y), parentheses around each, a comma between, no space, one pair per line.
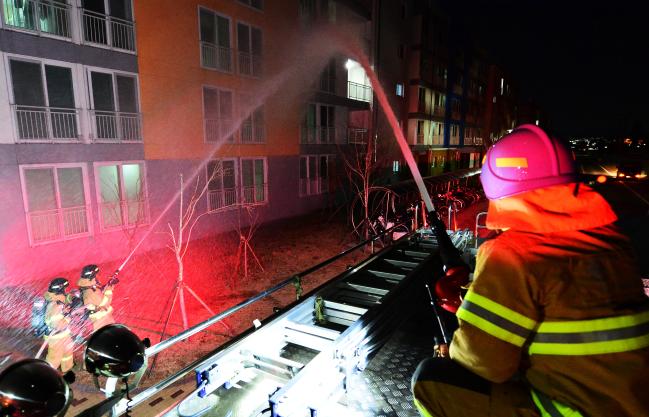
(524,160)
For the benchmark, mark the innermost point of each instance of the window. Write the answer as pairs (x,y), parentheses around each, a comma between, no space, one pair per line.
(217,114)
(216,51)
(122,195)
(438,133)
(328,77)
(252,126)
(43,16)
(420,132)
(421,100)
(249,43)
(395,166)
(319,124)
(455,137)
(257,4)
(222,186)
(399,91)
(109,22)
(56,202)
(253,179)
(314,174)
(115,109)
(44,105)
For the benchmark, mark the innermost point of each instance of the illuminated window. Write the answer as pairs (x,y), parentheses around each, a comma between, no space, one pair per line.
(395,166)
(50,17)
(121,194)
(502,86)
(56,202)
(400,91)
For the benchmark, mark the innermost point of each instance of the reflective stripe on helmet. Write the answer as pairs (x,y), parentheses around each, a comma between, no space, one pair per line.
(550,408)
(496,319)
(511,162)
(592,337)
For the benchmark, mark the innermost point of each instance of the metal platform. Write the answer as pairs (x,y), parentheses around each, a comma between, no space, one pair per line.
(349,347)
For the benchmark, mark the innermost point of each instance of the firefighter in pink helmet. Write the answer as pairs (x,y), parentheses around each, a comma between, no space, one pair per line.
(555,322)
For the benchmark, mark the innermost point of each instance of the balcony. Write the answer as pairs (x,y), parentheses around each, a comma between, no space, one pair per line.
(52,18)
(100,29)
(216,57)
(360,92)
(58,224)
(219,199)
(46,124)
(357,135)
(123,214)
(310,186)
(110,126)
(254,194)
(249,64)
(216,129)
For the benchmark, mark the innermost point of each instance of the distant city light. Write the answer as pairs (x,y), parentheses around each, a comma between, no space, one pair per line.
(537,122)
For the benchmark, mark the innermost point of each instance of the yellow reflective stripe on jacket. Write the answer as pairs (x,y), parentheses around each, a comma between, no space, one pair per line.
(550,408)
(496,319)
(592,337)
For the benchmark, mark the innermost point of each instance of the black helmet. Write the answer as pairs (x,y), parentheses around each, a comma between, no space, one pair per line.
(31,387)
(89,271)
(114,351)
(58,285)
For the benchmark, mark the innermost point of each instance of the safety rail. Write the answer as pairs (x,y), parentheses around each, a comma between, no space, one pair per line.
(123,213)
(216,128)
(254,194)
(107,30)
(317,134)
(357,135)
(219,199)
(310,186)
(216,57)
(112,126)
(252,132)
(52,18)
(360,92)
(159,347)
(249,64)
(35,123)
(58,224)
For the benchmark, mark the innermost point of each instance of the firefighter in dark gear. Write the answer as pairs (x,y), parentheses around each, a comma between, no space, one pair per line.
(96,298)
(60,346)
(556,322)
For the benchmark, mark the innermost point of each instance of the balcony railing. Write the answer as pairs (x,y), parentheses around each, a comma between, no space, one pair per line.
(58,224)
(252,133)
(107,30)
(318,134)
(218,199)
(216,57)
(249,64)
(46,123)
(309,186)
(113,126)
(44,17)
(357,135)
(118,214)
(217,129)
(254,194)
(361,92)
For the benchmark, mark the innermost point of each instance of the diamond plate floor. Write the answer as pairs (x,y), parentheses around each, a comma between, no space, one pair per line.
(383,389)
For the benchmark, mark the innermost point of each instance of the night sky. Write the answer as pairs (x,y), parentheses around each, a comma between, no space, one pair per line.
(586,64)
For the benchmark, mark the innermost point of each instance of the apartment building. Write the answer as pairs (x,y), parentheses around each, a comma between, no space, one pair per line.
(71,146)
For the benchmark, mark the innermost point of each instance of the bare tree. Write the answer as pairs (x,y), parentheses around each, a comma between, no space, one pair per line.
(246,231)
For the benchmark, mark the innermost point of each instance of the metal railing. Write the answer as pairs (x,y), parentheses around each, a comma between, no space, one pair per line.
(252,133)
(357,135)
(46,123)
(310,186)
(123,213)
(249,64)
(44,17)
(58,224)
(215,129)
(254,194)
(317,134)
(218,199)
(114,126)
(216,57)
(361,92)
(108,30)
(327,134)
